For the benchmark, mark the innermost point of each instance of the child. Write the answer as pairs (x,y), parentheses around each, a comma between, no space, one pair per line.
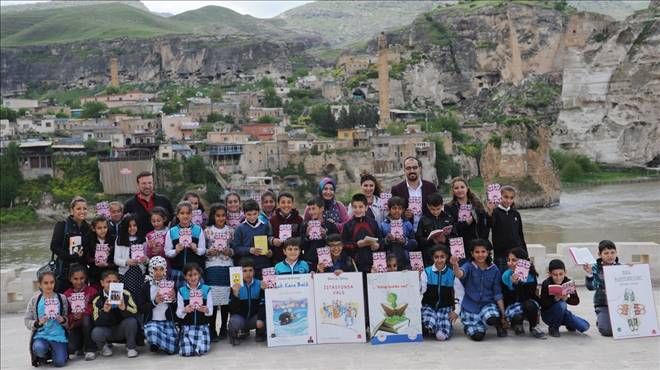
(243,242)
(607,256)
(554,309)
(341,261)
(437,288)
(402,240)
(114,323)
(436,219)
(195,337)
(48,326)
(159,319)
(292,263)
(520,298)
(267,206)
(475,226)
(156,237)
(80,323)
(314,237)
(191,249)
(218,260)
(361,234)
(506,223)
(284,216)
(234,214)
(132,266)
(116,214)
(102,240)
(247,306)
(392,263)
(198,214)
(483,292)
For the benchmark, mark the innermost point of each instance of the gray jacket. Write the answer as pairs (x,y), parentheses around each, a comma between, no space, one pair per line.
(31,318)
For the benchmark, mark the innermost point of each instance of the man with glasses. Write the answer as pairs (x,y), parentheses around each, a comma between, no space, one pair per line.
(415,188)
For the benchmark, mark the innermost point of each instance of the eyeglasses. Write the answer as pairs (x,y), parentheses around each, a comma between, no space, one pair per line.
(413,168)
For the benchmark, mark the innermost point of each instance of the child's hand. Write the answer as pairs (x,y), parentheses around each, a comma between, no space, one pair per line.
(453,316)
(193,247)
(469,220)
(77,316)
(159,298)
(374,246)
(489,207)
(179,247)
(270,253)
(122,305)
(515,278)
(189,308)
(338,272)
(203,309)
(212,252)
(277,242)
(228,252)
(453,260)
(237,287)
(43,320)
(130,262)
(588,269)
(254,251)
(60,319)
(144,259)
(107,306)
(102,264)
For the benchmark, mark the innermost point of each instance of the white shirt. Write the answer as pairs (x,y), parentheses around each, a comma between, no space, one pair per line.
(415,192)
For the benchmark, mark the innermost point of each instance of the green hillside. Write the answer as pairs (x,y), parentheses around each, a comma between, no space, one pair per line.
(218,20)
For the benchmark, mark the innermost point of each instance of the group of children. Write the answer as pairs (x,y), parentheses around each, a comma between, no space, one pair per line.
(176,278)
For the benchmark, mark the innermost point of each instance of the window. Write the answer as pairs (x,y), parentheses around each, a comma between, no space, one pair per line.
(165,155)
(639,258)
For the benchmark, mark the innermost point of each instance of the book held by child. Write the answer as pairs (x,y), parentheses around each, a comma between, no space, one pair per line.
(166,290)
(522,269)
(324,256)
(582,256)
(416,261)
(285,231)
(196,298)
(269,278)
(380,262)
(464,212)
(563,289)
(236,275)
(116,293)
(77,302)
(261,244)
(457,248)
(101,253)
(314,230)
(494,194)
(185,236)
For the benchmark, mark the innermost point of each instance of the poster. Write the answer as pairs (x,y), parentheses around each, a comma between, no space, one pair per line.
(394,307)
(339,302)
(630,301)
(290,311)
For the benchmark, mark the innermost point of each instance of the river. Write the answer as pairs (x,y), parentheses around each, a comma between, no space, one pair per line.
(629,212)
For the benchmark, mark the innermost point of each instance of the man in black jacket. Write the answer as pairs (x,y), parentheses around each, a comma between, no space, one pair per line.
(144,201)
(415,186)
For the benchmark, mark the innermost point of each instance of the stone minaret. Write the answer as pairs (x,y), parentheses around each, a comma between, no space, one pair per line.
(383,81)
(114,72)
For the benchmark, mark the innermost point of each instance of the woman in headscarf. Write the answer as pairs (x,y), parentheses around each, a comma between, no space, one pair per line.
(157,306)
(333,210)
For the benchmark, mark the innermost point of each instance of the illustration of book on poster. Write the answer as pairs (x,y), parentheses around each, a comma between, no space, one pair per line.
(166,290)
(236,275)
(630,301)
(77,302)
(384,197)
(394,307)
(522,269)
(563,289)
(285,231)
(197,217)
(457,248)
(339,302)
(290,313)
(103,209)
(416,261)
(415,205)
(324,256)
(137,251)
(314,230)
(196,298)
(493,193)
(582,256)
(268,276)
(380,262)
(185,236)
(101,253)
(51,307)
(261,244)
(116,293)
(75,244)
(396,229)
(464,212)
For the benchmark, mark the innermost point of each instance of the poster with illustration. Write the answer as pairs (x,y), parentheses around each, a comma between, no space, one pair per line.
(290,311)
(394,307)
(339,302)
(630,301)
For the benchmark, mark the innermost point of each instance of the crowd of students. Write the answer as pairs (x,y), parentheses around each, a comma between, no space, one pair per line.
(195,249)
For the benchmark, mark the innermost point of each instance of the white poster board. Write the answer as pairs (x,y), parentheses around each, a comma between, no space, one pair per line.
(630,301)
(340,316)
(290,311)
(394,307)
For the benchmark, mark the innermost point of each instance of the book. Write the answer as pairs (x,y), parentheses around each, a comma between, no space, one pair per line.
(261,244)
(384,197)
(380,262)
(233,219)
(103,209)
(157,238)
(522,269)
(493,193)
(75,244)
(396,229)
(256,197)
(371,238)
(101,253)
(314,230)
(582,256)
(137,251)
(196,298)
(236,275)
(51,307)
(561,290)
(416,261)
(444,231)
(324,256)
(116,293)
(464,212)
(415,205)
(457,248)
(221,240)
(185,237)
(77,302)
(269,278)
(285,231)
(166,290)
(197,217)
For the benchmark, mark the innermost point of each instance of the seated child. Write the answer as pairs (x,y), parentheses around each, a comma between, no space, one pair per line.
(436,219)
(607,256)
(158,309)
(341,261)
(292,263)
(554,309)
(47,323)
(194,307)
(311,237)
(247,306)
(437,288)
(80,323)
(114,323)
(520,298)
(401,240)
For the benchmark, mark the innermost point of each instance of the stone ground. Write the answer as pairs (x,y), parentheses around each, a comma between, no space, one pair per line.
(570,351)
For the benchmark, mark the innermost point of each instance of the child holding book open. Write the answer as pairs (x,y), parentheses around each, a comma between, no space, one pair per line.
(251,238)
(557,292)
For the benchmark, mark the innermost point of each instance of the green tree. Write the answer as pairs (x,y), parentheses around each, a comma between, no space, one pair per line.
(61,114)
(216,94)
(322,117)
(271,100)
(267,119)
(572,171)
(445,165)
(93,109)
(11,178)
(8,114)
(194,170)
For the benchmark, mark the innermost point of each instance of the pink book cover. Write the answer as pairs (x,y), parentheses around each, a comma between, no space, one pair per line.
(77,302)
(384,197)
(522,269)
(464,212)
(416,261)
(157,238)
(196,298)
(415,205)
(457,248)
(233,219)
(197,217)
(166,290)
(285,231)
(221,240)
(396,228)
(185,236)
(568,287)
(380,263)
(324,256)
(101,253)
(103,209)
(137,251)
(314,230)
(494,194)
(269,279)
(51,308)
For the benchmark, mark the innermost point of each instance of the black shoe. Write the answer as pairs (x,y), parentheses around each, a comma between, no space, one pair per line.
(478,337)
(501,332)
(215,339)
(519,329)
(260,338)
(570,329)
(554,332)
(234,341)
(153,348)
(223,334)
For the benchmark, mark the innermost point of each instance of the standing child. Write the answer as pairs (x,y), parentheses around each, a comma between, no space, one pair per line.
(116,215)
(267,206)
(437,287)
(244,236)
(313,232)
(482,304)
(506,223)
(292,263)
(285,219)
(157,306)
(607,256)
(218,260)
(554,308)
(184,243)
(520,297)
(45,316)
(198,212)
(435,219)
(194,302)
(80,297)
(399,233)
(156,237)
(361,235)
(341,261)
(234,214)
(475,224)
(100,250)
(129,255)
(247,306)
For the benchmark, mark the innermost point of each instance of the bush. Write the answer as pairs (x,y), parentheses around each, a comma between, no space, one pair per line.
(445,166)
(496,141)
(572,171)
(19,216)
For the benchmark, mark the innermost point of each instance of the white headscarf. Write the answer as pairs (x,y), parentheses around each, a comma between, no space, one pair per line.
(156,261)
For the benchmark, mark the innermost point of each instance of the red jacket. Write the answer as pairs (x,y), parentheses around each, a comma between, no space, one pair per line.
(293,219)
(90,293)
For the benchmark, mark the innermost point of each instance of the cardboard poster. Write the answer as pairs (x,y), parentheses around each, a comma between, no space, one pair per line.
(290,311)
(339,301)
(394,307)
(630,301)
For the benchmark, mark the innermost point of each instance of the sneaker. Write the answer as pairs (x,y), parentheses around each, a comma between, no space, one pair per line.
(536,333)
(554,332)
(570,329)
(501,332)
(80,353)
(131,353)
(440,336)
(90,356)
(106,351)
(153,348)
(519,329)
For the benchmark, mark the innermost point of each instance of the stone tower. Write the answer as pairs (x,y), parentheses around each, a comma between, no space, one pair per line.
(383,81)
(114,72)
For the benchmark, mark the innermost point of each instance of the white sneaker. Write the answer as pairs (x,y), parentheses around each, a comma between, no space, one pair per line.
(106,351)
(131,353)
(90,356)
(440,336)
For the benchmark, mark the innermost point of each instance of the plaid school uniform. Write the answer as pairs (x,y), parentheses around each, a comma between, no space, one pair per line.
(476,322)
(517,310)
(195,340)
(437,320)
(162,334)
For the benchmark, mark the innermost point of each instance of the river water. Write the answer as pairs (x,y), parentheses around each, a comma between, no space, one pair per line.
(629,212)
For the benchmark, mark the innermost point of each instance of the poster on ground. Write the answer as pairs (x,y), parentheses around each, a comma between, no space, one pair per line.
(630,301)
(394,307)
(290,311)
(340,315)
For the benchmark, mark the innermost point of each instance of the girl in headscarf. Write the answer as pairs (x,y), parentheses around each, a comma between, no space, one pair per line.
(333,210)
(157,306)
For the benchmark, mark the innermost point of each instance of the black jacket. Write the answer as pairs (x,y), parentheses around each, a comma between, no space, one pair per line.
(134,207)
(94,272)
(548,300)
(250,301)
(115,315)
(477,230)
(59,245)
(427,224)
(309,247)
(507,231)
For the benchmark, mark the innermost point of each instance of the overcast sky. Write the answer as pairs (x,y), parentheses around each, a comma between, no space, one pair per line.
(260,9)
